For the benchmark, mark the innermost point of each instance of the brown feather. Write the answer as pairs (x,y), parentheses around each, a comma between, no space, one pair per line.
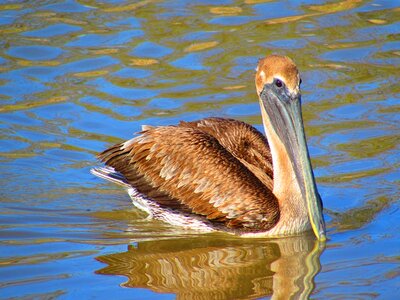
(243,141)
(186,168)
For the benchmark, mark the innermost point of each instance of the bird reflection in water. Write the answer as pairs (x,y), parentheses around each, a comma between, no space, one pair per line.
(217,268)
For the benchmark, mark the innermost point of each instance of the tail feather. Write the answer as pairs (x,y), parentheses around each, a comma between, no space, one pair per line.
(108,173)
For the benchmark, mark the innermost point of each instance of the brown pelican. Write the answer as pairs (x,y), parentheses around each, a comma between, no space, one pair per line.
(223,174)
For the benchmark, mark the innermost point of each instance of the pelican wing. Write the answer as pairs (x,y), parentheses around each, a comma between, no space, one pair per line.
(187,169)
(243,141)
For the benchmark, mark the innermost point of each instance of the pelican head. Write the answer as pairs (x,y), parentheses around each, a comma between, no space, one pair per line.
(278,87)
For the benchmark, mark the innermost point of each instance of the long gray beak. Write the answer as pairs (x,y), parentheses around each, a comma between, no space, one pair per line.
(284,113)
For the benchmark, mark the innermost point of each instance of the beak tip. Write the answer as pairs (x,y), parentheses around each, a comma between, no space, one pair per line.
(321,237)
(320,232)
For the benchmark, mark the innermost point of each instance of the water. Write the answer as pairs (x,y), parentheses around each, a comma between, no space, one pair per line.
(78,76)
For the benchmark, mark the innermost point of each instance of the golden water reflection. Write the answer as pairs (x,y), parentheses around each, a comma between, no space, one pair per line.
(217,268)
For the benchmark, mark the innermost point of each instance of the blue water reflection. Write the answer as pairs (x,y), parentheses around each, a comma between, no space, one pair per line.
(35,53)
(53,30)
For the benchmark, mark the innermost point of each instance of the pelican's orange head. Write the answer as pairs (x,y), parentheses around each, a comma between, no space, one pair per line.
(278,67)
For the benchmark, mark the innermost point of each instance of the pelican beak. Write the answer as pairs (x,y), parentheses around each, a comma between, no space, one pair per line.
(283,110)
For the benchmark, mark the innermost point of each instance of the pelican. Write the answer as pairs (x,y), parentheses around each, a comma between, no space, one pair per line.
(219,174)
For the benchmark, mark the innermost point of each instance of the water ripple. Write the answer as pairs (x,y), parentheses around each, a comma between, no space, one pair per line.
(78,76)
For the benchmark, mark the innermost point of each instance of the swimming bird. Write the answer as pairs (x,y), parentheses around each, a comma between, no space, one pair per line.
(223,174)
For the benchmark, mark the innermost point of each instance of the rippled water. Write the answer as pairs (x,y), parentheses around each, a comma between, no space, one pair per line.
(77,76)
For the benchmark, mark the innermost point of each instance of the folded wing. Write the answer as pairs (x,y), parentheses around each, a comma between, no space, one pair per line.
(187,168)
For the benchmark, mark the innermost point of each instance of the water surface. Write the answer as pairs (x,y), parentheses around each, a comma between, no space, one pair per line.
(78,76)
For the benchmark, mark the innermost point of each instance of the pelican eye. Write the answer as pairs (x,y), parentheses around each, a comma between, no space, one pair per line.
(278,83)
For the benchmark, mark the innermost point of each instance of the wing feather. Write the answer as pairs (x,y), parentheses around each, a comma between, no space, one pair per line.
(188,169)
(243,141)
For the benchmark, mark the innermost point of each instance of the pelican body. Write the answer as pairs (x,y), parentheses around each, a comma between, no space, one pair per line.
(223,174)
